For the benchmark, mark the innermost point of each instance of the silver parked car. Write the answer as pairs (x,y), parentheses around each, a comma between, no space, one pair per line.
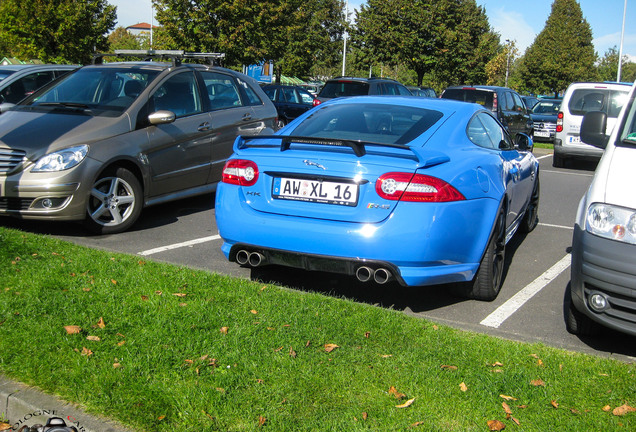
(109,139)
(19,81)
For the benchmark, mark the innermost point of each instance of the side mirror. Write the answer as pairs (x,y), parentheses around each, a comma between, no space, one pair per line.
(523,142)
(161,117)
(6,107)
(593,129)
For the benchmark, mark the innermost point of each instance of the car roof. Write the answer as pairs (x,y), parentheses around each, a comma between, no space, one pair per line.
(446,106)
(20,67)
(349,78)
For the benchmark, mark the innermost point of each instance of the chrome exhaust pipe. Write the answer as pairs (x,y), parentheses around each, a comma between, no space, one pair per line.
(242,257)
(256,259)
(364,274)
(381,276)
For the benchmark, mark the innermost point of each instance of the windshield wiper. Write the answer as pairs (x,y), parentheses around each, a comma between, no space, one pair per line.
(70,105)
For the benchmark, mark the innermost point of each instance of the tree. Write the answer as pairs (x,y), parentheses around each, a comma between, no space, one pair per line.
(122,39)
(608,67)
(293,33)
(449,38)
(499,68)
(562,53)
(56,31)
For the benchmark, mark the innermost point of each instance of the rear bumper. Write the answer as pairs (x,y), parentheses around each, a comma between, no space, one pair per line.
(605,267)
(422,244)
(578,151)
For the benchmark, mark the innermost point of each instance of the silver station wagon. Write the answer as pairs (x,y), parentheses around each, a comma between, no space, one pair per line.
(111,138)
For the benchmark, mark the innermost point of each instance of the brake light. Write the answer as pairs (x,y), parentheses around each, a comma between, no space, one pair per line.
(559,126)
(316,102)
(397,186)
(240,172)
(494,102)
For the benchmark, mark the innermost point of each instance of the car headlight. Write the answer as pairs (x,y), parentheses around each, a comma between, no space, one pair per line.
(612,222)
(61,160)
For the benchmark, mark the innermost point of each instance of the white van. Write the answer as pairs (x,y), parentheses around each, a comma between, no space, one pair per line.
(579,99)
(603,272)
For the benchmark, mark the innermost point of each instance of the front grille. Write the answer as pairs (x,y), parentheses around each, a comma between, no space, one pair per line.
(9,204)
(545,126)
(10,159)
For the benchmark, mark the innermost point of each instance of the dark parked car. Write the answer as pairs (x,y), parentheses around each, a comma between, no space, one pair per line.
(506,103)
(349,86)
(100,143)
(19,81)
(290,101)
(544,119)
(422,91)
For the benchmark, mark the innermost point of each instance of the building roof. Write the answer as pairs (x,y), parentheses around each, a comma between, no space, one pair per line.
(141,26)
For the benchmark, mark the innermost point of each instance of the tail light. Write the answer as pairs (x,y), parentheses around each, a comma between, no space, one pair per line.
(240,172)
(559,127)
(316,102)
(397,186)
(495,103)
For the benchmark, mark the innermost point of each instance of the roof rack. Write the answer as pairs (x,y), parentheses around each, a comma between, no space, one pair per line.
(176,56)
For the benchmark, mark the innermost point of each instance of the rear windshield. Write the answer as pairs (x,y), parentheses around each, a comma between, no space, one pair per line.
(334,89)
(546,107)
(597,99)
(379,123)
(481,97)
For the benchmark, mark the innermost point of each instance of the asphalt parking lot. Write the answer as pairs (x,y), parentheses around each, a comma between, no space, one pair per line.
(530,307)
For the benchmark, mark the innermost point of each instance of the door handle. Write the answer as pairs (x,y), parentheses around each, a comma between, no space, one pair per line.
(247,117)
(204,127)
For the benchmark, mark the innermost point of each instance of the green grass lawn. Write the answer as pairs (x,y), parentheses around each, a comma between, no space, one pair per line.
(166,348)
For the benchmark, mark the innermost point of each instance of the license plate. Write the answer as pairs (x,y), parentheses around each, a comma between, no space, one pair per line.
(542,134)
(574,140)
(325,192)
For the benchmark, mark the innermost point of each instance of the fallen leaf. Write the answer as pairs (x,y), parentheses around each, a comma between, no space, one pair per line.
(144,297)
(448,367)
(393,391)
(116,365)
(537,382)
(539,362)
(416,424)
(292,353)
(554,403)
(261,421)
(365,415)
(406,404)
(93,338)
(463,387)
(506,408)
(607,408)
(496,425)
(622,410)
(121,343)
(330,347)
(533,355)
(161,417)
(515,420)
(497,364)
(386,355)
(86,352)
(114,282)
(224,330)
(179,294)
(254,311)
(5,426)
(507,397)
(101,324)
(367,334)
(72,329)
(435,327)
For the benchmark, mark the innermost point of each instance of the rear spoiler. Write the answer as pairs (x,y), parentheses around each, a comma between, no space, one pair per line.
(359,147)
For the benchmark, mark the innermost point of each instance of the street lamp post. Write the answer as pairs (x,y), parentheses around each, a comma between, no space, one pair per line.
(620,51)
(507,60)
(344,49)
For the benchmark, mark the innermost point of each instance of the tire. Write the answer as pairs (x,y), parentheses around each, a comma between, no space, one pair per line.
(487,282)
(558,161)
(115,202)
(281,123)
(531,217)
(579,324)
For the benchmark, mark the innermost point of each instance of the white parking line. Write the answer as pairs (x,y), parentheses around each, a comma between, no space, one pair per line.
(556,226)
(179,245)
(504,311)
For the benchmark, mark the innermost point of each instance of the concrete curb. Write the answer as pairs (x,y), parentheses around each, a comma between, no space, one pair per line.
(23,405)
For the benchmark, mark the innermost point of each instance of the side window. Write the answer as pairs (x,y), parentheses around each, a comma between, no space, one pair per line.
(485,131)
(518,102)
(222,90)
(271,93)
(36,80)
(404,91)
(290,95)
(382,89)
(509,103)
(252,97)
(178,94)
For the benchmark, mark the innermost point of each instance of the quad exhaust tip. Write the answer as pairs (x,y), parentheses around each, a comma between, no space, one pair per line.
(380,276)
(252,259)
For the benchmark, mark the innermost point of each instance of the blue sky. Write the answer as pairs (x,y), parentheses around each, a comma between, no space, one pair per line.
(519,20)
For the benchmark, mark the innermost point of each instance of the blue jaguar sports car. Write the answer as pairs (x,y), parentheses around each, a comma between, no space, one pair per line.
(422,191)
